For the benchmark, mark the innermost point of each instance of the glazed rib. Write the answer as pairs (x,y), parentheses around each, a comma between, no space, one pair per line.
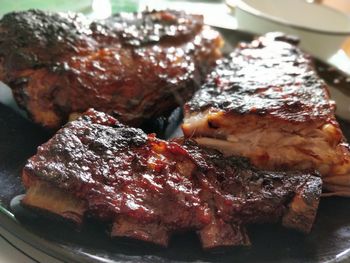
(135,66)
(135,181)
(266,102)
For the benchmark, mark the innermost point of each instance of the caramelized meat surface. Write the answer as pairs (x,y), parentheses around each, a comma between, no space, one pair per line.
(266,102)
(118,174)
(134,66)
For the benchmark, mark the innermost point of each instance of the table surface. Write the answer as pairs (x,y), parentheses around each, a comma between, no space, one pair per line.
(15,250)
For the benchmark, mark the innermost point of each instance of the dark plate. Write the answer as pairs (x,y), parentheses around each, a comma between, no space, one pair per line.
(329,240)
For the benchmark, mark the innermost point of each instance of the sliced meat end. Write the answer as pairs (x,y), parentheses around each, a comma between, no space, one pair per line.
(149,232)
(53,202)
(303,207)
(219,234)
(266,102)
(287,153)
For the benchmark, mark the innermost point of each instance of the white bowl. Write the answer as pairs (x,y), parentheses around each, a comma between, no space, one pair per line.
(321,29)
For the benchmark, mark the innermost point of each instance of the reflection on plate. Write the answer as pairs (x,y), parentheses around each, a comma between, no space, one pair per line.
(329,240)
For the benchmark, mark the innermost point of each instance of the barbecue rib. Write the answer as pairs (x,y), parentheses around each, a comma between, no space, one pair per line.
(134,66)
(96,166)
(266,102)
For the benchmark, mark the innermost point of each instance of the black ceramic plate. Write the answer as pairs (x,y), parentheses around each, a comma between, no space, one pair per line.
(329,240)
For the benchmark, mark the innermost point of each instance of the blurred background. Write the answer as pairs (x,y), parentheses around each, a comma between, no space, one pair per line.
(88,6)
(104,8)
(216,12)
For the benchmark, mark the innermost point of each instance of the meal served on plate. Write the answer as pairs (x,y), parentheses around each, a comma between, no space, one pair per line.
(149,188)
(263,107)
(266,102)
(134,66)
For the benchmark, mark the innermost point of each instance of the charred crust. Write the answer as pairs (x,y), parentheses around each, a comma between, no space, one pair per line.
(33,30)
(154,26)
(137,181)
(114,65)
(296,94)
(98,134)
(24,33)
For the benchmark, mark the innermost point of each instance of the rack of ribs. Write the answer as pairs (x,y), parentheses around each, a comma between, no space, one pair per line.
(266,102)
(97,167)
(135,66)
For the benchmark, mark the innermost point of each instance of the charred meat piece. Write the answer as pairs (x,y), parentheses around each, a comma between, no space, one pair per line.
(120,175)
(135,66)
(266,102)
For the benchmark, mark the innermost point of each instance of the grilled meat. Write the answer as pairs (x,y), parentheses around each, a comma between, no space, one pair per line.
(134,66)
(266,102)
(97,167)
